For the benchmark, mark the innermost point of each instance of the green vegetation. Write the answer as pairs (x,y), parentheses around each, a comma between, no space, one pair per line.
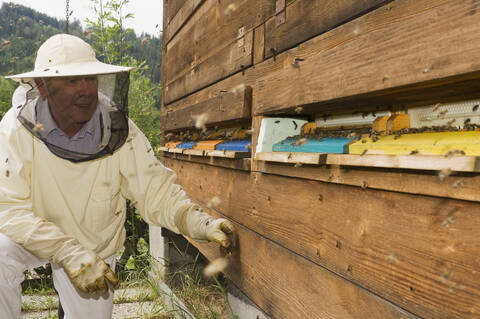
(22,30)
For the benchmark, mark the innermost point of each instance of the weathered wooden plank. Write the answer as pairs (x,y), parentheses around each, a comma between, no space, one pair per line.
(213,26)
(421,162)
(292,157)
(455,186)
(306,19)
(234,57)
(242,164)
(228,154)
(259,44)
(403,43)
(286,285)
(194,152)
(170,9)
(180,18)
(415,251)
(232,105)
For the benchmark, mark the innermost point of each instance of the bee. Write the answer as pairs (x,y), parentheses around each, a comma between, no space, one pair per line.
(298,109)
(414,152)
(451,153)
(364,152)
(442,113)
(217,266)
(458,183)
(447,222)
(449,123)
(7,173)
(364,185)
(214,202)
(475,108)
(320,197)
(391,258)
(297,165)
(466,122)
(277,121)
(38,127)
(444,173)
(300,142)
(436,107)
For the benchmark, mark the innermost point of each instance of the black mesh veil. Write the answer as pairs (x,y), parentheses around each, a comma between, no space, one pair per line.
(111,109)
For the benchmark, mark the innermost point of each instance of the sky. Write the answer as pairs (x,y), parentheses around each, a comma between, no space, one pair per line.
(147,13)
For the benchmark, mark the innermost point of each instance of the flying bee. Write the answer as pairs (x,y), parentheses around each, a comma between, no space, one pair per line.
(475,108)
(38,127)
(298,109)
(436,107)
(458,183)
(444,173)
(300,142)
(364,152)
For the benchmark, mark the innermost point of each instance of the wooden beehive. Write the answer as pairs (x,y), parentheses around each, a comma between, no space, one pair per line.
(343,236)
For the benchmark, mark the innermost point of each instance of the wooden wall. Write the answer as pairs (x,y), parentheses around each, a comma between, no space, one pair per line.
(330,241)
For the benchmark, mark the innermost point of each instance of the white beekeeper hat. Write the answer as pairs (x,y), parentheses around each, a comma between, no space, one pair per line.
(67,55)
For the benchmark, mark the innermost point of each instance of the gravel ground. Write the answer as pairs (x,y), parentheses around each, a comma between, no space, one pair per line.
(122,309)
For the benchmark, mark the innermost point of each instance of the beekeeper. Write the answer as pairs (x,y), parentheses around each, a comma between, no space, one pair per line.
(69,159)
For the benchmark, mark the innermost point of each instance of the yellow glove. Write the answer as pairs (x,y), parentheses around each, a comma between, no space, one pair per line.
(89,273)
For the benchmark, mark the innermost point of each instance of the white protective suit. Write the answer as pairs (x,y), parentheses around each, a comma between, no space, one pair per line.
(47,202)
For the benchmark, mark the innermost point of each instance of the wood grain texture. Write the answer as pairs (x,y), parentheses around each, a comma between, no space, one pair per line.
(180,18)
(292,157)
(259,44)
(418,252)
(286,285)
(234,57)
(232,105)
(170,9)
(306,19)
(242,164)
(455,186)
(420,162)
(215,25)
(400,45)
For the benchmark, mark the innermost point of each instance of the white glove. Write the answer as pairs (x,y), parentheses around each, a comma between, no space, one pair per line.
(201,226)
(221,231)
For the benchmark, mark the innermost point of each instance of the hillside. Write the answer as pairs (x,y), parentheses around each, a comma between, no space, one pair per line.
(22,30)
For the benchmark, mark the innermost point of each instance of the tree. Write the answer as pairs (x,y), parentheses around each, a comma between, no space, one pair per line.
(110,41)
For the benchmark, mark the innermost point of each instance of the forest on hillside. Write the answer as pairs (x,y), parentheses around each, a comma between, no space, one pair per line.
(23,30)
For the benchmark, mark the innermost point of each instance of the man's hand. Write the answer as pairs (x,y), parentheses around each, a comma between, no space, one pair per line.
(221,231)
(92,276)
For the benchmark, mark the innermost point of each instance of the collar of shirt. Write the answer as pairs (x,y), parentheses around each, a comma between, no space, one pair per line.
(43,116)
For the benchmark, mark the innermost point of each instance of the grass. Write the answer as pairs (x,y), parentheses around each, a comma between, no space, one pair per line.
(204,299)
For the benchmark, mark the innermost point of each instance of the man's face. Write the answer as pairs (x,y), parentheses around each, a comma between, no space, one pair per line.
(72,100)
